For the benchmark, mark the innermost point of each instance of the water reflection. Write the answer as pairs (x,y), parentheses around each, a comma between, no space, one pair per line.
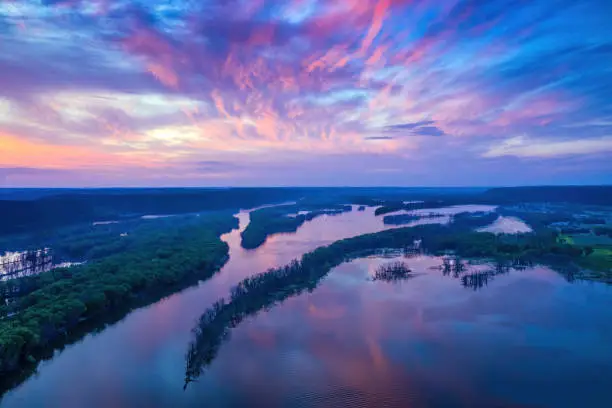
(477,276)
(530,338)
(162,330)
(247,300)
(25,263)
(426,343)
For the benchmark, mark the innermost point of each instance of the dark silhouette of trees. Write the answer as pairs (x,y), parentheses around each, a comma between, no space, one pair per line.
(78,206)
(392,272)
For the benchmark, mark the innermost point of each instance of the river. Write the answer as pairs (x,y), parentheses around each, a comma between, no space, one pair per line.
(524,338)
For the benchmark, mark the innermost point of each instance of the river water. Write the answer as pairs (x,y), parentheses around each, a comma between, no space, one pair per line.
(523,338)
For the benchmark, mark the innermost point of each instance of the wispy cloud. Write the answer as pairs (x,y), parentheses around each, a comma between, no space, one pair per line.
(409,126)
(522,146)
(126,89)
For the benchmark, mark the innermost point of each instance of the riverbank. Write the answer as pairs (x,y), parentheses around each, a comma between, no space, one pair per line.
(49,307)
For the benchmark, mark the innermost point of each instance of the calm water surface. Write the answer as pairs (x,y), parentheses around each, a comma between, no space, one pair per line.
(526,338)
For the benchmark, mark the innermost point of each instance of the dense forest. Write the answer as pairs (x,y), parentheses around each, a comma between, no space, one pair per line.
(89,241)
(60,210)
(38,310)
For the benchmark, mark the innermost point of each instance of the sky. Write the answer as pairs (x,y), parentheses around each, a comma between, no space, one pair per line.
(305,92)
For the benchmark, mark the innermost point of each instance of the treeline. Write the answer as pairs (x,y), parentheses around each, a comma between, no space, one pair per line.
(37,311)
(39,210)
(376,196)
(285,218)
(390,207)
(594,195)
(53,211)
(33,211)
(270,288)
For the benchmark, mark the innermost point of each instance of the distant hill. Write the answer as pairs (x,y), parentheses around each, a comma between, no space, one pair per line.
(26,194)
(594,195)
(52,210)
(31,210)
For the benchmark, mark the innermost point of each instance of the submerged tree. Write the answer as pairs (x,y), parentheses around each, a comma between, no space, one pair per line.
(453,265)
(392,272)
